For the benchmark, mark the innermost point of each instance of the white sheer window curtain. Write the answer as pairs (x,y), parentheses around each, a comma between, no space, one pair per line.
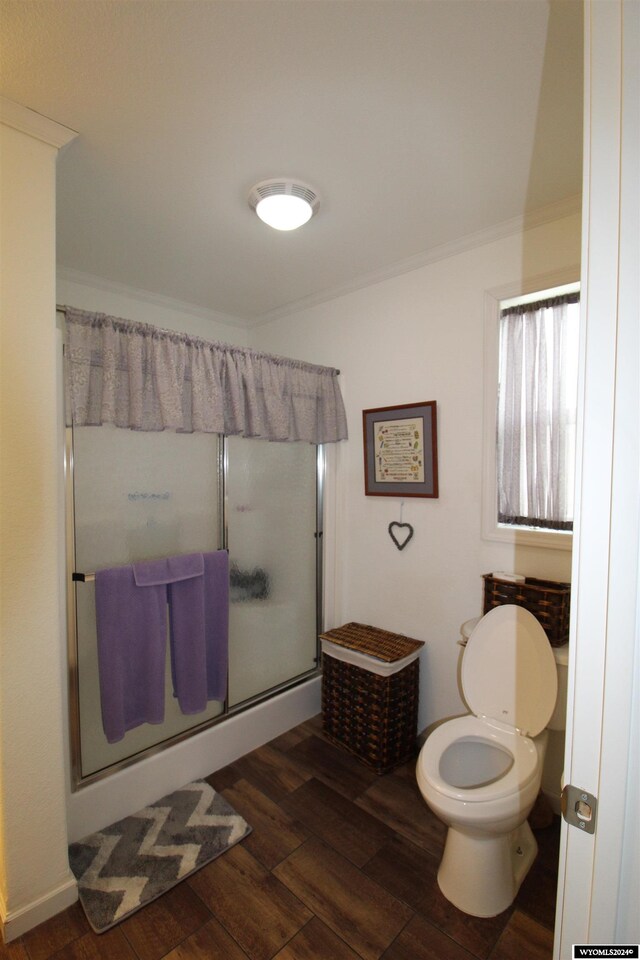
(538,370)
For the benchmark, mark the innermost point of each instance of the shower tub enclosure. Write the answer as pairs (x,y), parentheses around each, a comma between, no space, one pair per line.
(179,445)
(134,496)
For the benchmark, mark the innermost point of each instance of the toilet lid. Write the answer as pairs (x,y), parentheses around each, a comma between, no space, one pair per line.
(509,671)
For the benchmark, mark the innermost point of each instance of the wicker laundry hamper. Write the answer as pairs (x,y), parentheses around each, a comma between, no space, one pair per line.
(370,686)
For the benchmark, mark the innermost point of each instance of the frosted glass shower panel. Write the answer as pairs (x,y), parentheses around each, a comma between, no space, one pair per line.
(271,522)
(137,496)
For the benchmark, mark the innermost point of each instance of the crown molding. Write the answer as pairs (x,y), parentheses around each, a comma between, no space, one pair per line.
(111,286)
(35,124)
(528,221)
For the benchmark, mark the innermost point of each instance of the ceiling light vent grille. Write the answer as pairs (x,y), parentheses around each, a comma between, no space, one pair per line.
(279,187)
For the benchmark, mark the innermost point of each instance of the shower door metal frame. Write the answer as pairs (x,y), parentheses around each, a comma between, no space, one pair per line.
(75,734)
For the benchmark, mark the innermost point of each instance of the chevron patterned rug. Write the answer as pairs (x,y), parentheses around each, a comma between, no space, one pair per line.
(129,864)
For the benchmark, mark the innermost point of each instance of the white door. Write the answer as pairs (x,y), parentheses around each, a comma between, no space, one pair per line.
(598,897)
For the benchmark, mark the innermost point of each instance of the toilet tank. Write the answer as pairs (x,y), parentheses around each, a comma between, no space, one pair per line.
(467,628)
(559,717)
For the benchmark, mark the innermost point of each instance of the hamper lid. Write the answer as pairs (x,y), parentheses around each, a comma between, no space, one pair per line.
(509,671)
(372,641)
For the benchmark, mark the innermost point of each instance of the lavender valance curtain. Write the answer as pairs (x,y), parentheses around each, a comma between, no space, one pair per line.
(137,376)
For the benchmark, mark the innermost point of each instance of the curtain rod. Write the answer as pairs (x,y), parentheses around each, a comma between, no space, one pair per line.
(61,308)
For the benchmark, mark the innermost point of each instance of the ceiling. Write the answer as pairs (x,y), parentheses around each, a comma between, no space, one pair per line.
(419,124)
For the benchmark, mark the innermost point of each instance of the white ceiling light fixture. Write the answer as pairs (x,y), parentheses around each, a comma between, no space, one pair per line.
(284,204)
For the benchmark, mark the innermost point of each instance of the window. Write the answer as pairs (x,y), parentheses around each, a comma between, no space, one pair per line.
(532,417)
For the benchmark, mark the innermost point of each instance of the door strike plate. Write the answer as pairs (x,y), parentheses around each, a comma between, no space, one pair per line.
(579,808)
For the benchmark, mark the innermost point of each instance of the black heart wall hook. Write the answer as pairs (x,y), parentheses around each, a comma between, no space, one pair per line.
(404,536)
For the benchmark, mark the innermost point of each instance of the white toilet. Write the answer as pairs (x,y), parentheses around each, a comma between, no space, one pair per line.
(481,773)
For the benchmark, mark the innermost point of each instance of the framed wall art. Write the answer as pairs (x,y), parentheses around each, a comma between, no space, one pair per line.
(401,450)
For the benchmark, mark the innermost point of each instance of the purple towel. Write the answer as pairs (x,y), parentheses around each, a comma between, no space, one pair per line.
(150,573)
(216,612)
(131,619)
(199,618)
(132,635)
(187,638)
(182,578)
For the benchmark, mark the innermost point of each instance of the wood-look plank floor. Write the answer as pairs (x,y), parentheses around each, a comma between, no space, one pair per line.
(341,865)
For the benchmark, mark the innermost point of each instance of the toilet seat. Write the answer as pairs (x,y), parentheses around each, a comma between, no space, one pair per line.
(509,671)
(521,749)
(509,680)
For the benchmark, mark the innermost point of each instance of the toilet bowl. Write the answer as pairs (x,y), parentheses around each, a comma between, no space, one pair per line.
(481,773)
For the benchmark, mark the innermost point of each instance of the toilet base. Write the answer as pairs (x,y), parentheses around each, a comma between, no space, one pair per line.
(482,875)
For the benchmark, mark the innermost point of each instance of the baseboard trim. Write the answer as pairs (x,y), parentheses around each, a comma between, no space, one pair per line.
(15,923)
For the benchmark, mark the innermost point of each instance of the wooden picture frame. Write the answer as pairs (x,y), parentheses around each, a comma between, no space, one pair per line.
(401,450)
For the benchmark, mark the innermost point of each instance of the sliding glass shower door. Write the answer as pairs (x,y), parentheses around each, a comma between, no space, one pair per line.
(135,496)
(272,532)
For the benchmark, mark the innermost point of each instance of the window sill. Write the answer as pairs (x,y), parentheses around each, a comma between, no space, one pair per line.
(530,537)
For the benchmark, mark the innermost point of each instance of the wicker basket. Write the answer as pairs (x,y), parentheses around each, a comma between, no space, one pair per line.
(548,600)
(372,714)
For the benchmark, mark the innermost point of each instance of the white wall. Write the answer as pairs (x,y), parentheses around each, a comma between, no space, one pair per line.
(417,337)
(35,880)
(90,293)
